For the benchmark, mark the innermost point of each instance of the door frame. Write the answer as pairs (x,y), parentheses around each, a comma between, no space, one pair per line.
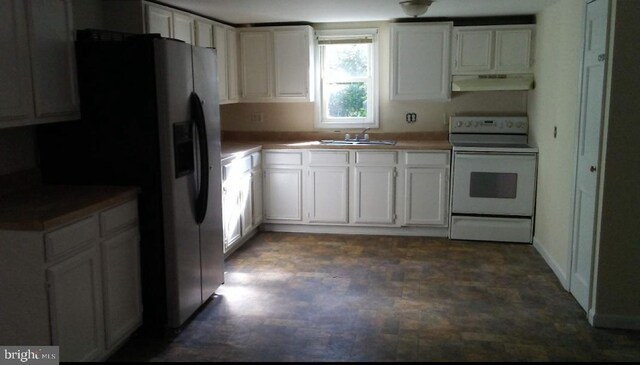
(576,140)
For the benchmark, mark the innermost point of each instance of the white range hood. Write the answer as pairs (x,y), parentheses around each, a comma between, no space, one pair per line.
(492,82)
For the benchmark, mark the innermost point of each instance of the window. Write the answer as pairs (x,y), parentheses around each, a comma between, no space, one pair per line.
(347,79)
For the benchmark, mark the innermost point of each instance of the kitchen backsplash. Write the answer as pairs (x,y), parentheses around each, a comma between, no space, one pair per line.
(431,117)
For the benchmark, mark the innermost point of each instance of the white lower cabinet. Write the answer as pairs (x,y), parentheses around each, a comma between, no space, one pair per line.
(283,194)
(75,306)
(374,194)
(328,194)
(241,198)
(426,189)
(76,286)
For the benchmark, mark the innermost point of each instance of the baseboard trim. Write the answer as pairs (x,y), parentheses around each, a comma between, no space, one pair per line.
(614,321)
(391,231)
(560,274)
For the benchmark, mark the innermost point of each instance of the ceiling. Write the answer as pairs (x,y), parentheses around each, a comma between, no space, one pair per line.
(328,11)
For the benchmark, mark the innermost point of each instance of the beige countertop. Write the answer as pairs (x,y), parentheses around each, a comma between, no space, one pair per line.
(241,148)
(47,206)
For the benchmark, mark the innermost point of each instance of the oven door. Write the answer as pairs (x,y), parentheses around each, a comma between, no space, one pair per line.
(494,183)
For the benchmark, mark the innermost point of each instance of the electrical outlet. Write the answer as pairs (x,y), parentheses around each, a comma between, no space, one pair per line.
(411,117)
(257,117)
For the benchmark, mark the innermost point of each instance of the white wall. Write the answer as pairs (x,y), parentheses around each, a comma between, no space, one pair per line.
(554,103)
(431,115)
(617,269)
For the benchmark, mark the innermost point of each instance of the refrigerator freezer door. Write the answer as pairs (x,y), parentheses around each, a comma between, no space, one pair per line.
(174,82)
(211,244)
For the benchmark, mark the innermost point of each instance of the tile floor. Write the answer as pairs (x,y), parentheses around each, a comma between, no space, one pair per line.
(303,297)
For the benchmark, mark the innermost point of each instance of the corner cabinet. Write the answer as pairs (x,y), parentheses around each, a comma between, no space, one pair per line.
(420,61)
(276,64)
(76,285)
(37,63)
(506,49)
(241,199)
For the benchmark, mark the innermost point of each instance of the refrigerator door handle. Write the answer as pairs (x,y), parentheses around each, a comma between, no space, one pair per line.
(203,193)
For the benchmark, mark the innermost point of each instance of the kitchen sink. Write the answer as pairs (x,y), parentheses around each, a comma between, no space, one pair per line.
(337,142)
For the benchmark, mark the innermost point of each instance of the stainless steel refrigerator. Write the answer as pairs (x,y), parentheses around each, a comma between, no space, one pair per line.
(150,118)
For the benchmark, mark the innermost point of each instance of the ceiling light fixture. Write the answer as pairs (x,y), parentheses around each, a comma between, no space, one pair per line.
(415,8)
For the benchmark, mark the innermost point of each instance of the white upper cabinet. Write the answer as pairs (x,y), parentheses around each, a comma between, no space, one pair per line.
(505,49)
(232,65)
(276,64)
(204,33)
(420,61)
(37,63)
(256,64)
(183,28)
(158,20)
(293,54)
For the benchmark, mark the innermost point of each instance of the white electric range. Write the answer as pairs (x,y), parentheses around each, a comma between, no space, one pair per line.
(493,179)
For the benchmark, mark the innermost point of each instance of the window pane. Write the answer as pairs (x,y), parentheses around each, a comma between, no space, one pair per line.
(347,100)
(346,60)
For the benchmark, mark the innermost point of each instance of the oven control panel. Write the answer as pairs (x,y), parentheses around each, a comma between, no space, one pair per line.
(494,125)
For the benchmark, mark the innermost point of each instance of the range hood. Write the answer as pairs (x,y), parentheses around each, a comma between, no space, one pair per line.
(492,82)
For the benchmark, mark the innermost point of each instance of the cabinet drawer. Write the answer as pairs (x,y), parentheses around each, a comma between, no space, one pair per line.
(427,158)
(237,167)
(256,160)
(115,218)
(283,158)
(328,158)
(69,238)
(376,158)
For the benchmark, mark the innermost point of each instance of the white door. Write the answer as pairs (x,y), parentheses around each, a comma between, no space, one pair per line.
(15,83)
(183,28)
(75,301)
(591,107)
(246,202)
(220,37)
(232,64)
(53,58)
(328,194)
(474,51)
(256,196)
(159,21)
(426,196)
(204,34)
(420,61)
(283,194)
(255,64)
(231,212)
(121,278)
(291,55)
(513,50)
(374,194)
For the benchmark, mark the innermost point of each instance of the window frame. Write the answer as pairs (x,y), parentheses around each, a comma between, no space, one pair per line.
(372,120)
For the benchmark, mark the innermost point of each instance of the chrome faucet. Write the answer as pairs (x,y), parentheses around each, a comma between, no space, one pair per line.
(364,137)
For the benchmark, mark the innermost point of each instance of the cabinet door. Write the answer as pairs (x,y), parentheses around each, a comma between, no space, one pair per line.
(204,34)
(328,194)
(426,196)
(474,51)
(374,194)
(75,300)
(183,28)
(420,57)
(122,291)
(246,202)
(221,47)
(231,214)
(255,59)
(291,56)
(232,64)
(15,83)
(283,194)
(513,50)
(159,21)
(52,58)
(256,191)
